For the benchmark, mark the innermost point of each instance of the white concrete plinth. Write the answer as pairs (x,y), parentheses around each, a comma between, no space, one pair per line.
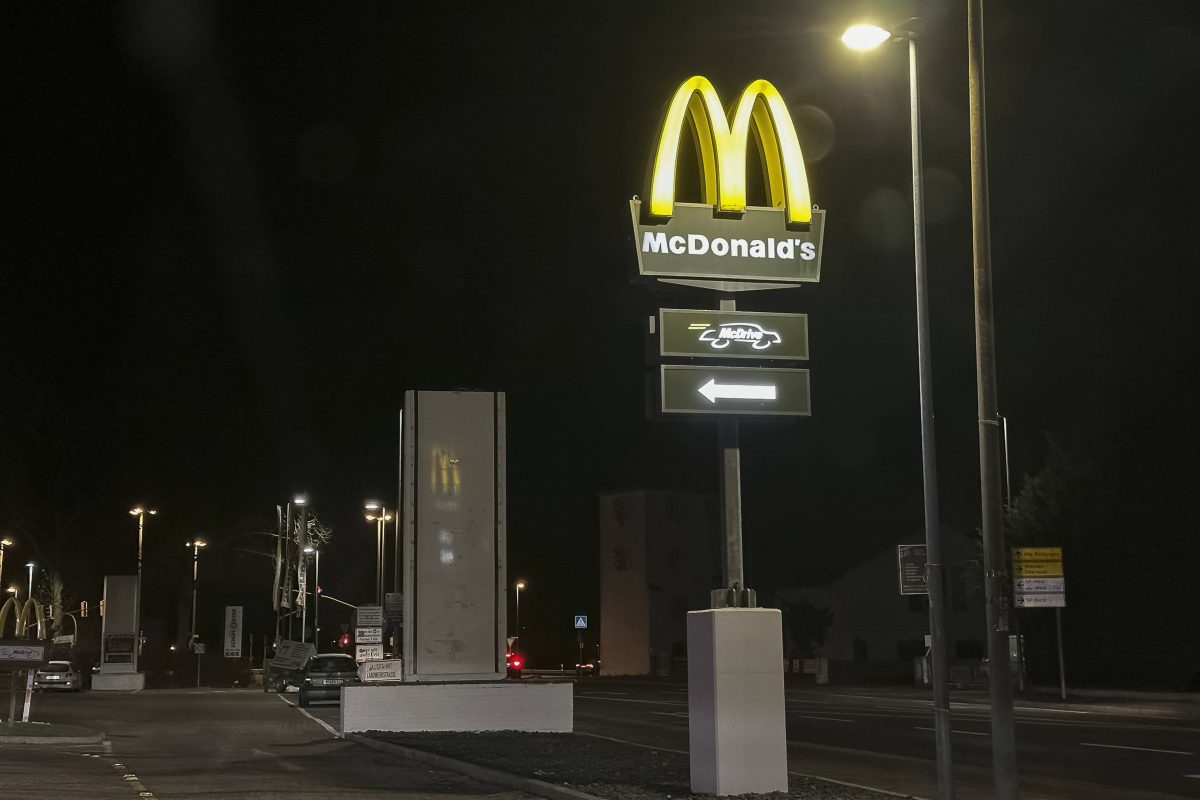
(119,682)
(499,706)
(736,731)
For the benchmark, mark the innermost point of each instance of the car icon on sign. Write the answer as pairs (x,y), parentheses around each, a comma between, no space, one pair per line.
(758,337)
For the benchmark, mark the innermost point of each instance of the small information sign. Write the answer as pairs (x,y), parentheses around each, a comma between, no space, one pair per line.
(1038,580)
(377,671)
(911,559)
(372,635)
(580,621)
(368,652)
(369,617)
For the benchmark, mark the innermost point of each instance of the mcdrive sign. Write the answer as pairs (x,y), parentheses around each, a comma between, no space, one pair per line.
(723,238)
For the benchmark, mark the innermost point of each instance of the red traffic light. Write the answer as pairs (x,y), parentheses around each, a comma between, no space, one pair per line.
(345,640)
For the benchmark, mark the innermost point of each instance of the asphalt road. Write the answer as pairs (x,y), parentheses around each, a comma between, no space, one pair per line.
(886,741)
(259,746)
(242,744)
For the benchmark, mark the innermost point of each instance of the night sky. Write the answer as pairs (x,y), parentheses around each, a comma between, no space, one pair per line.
(236,235)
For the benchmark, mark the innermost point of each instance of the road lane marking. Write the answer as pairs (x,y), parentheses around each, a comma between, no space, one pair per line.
(967,733)
(607,693)
(320,722)
(1141,749)
(629,700)
(671,713)
(1191,776)
(823,719)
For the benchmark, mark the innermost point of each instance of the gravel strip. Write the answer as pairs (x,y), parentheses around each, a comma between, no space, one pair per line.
(600,767)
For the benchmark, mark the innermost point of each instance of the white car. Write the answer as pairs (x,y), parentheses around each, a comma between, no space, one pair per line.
(58,675)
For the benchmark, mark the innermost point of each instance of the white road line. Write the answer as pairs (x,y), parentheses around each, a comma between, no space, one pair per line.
(1191,776)
(967,733)
(1141,749)
(823,719)
(671,713)
(320,722)
(629,700)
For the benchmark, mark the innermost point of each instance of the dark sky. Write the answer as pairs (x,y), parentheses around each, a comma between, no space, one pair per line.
(236,235)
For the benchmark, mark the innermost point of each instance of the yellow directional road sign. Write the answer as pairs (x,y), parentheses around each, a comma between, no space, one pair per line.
(1037,554)
(1038,569)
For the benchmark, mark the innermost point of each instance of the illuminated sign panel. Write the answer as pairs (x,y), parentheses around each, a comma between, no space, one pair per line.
(724,238)
(732,334)
(747,391)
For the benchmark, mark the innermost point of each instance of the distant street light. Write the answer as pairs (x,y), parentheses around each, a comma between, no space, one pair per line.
(196,545)
(519,585)
(301,501)
(4,542)
(316,594)
(378,513)
(140,513)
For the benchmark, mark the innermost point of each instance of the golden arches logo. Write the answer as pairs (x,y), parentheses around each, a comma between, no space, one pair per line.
(27,615)
(722,149)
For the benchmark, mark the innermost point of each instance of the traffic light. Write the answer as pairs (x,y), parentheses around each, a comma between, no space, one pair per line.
(83,608)
(345,640)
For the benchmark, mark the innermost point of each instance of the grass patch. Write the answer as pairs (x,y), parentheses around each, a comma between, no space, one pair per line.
(42,729)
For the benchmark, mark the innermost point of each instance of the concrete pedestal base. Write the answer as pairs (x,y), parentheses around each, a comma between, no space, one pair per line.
(499,706)
(736,731)
(119,682)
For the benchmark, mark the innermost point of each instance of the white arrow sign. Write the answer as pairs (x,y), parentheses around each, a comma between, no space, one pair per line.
(736,391)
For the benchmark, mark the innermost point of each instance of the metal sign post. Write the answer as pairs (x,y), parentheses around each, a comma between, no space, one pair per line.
(1039,582)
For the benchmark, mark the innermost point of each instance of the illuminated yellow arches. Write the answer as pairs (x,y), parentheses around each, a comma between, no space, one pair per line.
(722,149)
(27,614)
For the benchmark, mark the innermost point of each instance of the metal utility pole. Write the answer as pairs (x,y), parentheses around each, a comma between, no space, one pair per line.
(1004,755)
(195,545)
(933,537)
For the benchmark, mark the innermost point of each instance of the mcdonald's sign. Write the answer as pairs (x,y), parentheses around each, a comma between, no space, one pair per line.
(724,239)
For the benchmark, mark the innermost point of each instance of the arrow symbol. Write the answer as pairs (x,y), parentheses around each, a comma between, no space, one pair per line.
(736,391)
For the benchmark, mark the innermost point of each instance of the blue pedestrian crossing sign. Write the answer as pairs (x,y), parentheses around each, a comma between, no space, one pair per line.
(580,621)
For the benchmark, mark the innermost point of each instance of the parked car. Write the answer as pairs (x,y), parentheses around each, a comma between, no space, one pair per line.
(325,674)
(58,675)
(587,668)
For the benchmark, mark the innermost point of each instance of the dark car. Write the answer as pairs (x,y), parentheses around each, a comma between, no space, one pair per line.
(58,675)
(324,676)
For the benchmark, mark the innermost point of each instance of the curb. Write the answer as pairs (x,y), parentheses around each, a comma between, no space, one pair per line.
(92,739)
(479,773)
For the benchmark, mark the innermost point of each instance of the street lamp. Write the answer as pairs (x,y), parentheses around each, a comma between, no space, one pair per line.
(31,565)
(868,37)
(301,502)
(196,545)
(140,513)
(376,512)
(310,550)
(519,585)
(4,542)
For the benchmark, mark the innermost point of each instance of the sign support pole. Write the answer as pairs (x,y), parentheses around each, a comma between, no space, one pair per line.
(1062,672)
(12,696)
(734,591)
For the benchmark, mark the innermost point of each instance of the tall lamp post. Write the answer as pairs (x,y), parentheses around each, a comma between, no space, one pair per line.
(30,565)
(301,502)
(196,546)
(868,37)
(310,550)
(4,542)
(519,585)
(140,512)
(377,513)
(1004,750)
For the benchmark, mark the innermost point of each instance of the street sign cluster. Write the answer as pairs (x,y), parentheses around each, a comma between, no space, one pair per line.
(1038,579)
(714,388)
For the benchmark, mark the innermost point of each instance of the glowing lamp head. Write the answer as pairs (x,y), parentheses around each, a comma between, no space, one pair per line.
(310,550)
(520,584)
(865,36)
(300,500)
(6,542)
